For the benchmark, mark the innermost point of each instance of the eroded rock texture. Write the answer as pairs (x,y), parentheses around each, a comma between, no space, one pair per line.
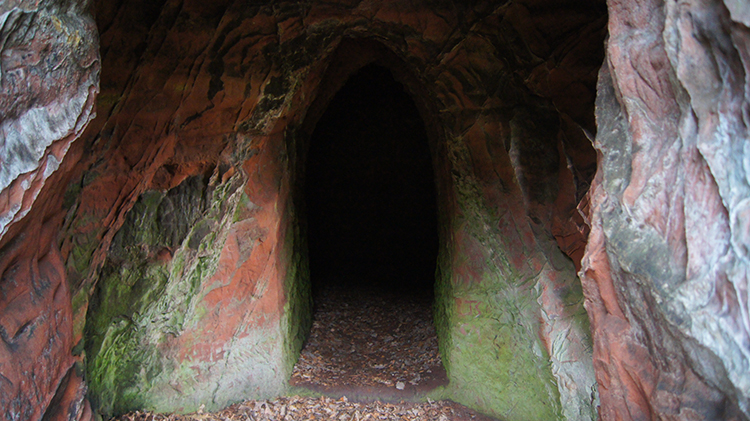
(177,237)
(165,262)
(210,105)
(49,75)
(665,271)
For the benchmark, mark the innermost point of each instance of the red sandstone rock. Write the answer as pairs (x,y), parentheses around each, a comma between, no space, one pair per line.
(663,254)
(37,323)
(50,79)
(188,87)
(50,73)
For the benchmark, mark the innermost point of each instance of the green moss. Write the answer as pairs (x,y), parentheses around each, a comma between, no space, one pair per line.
(298,306)
(84,245)
(493,355)
(105,100)
(443,308)
(119,363)
(242,207)
(495,360)
(72,193)
(140,301)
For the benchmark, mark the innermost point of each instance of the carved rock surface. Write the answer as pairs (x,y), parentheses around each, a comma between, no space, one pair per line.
(49,59)
(665,271)
(194,89)
(173,225)
(199,96)
(49,76)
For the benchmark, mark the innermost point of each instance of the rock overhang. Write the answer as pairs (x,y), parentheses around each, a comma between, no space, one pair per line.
(223,93)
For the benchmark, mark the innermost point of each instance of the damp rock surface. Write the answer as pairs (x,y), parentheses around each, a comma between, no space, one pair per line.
(49,78)
(199,88)
(506,91)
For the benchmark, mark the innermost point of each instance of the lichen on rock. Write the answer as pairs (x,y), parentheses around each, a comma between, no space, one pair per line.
(150,288)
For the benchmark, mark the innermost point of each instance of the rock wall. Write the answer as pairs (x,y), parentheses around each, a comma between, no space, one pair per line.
(49,76)
(189,88)
(178,202)
(665,271)
(169,250)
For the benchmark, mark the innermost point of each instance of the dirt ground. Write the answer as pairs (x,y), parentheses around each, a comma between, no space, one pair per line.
(373,355)
(298,408)
(370,343)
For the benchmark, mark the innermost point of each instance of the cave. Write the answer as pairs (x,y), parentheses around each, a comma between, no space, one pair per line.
(370,190)
(371,216)
(168,183)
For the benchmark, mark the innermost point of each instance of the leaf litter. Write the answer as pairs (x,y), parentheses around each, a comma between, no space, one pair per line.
(372,345)
(324,408)
(370,339)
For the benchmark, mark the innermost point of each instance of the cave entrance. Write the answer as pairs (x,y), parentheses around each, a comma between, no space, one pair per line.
(372,241)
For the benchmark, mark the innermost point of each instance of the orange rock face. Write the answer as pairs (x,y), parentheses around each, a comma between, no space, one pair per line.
(663,271)
(234,93)
(167,257)
(50,75)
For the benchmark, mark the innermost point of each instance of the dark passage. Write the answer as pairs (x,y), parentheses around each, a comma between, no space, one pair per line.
(372,236)
(370,189)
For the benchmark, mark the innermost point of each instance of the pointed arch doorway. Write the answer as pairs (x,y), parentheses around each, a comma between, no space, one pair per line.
(370,191)
(372,236)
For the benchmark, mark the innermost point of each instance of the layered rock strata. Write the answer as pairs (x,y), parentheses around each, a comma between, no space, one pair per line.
(49,64)
(167,251)
(665,267)
(231,93)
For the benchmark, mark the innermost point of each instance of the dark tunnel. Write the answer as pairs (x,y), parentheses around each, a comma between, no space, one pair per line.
(370,190)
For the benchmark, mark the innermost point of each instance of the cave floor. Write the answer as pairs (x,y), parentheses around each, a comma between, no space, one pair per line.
(323,408)
(363,346)
(370,343)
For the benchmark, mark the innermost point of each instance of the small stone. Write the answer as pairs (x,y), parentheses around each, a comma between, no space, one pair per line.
(400,385)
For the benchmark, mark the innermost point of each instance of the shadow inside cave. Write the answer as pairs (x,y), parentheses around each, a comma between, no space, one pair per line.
(372,244)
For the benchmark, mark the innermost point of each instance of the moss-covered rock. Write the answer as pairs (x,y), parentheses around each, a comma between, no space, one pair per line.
(149,289)
(487,316)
